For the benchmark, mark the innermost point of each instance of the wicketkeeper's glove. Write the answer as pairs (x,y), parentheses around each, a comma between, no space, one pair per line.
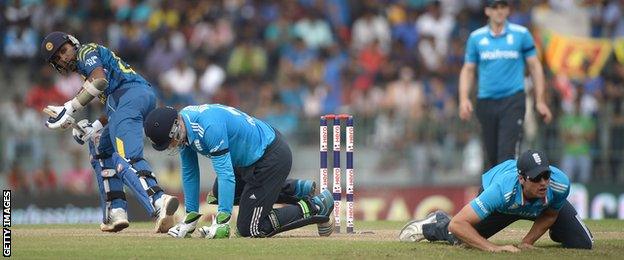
(220,227)
(186,227)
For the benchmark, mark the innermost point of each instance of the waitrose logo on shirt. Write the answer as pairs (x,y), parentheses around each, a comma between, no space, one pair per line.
(498,54)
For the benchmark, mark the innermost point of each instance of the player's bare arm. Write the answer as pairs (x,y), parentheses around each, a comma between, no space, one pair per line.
(541,224)
(466,80)
(537,74)
(462,226)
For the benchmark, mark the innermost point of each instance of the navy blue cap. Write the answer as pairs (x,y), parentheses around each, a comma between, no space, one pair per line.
(494,3)
(158,125)
(532,163)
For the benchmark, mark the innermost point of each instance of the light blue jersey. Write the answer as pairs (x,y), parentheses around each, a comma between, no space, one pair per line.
(502,193)
(500,59)
(230,138)
(117,71)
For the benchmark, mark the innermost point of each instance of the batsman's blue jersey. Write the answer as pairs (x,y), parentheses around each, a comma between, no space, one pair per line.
(500,59)
(118,72)
(230,138)
(502,193)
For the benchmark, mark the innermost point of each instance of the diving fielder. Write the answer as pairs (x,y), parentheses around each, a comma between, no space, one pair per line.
(128,98)
(528,188)
(247,154)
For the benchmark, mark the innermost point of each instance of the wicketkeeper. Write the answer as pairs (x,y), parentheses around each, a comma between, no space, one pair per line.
(247,154)
(528,188)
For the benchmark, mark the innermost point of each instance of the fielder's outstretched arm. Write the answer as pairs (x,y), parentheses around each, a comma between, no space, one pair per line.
(462,226)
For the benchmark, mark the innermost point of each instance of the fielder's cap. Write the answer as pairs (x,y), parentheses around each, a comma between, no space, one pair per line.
(495,3)
(532,163)
(158,125)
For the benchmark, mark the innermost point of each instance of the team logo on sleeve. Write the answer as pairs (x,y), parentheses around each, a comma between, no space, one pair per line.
(481,206)
(91,61)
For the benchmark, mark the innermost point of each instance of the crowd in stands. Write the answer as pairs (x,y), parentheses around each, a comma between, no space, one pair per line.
(394,64)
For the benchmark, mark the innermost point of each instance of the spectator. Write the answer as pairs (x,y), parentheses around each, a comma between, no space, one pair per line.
(211,77)
(578,132)
(368,28)
(23,127)
(297,57)
(404,29)
(45,178)
(406,95)
(44,92)
(78,179)
(17,179)
(436,24)
(314,31)
(181,80)
(247,59)
(161,57)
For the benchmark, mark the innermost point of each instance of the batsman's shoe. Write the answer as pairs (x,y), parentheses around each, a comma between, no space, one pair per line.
(166,206)
(304,188)
(413,232)
(324,203)
(118,220)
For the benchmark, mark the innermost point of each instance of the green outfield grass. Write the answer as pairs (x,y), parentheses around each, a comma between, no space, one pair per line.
(137,242)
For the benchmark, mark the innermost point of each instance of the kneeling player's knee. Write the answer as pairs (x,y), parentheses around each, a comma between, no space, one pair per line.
(584,243)
(253,229)
(580,242)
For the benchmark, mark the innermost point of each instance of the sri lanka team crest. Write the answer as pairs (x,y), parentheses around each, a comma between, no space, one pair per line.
(49,46)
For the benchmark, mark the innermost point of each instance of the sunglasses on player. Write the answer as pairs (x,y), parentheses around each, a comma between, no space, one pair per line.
(538,178)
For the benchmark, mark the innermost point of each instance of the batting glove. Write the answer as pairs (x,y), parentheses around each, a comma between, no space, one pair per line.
(220,227)
(86,130)
(60,116)
(185,228)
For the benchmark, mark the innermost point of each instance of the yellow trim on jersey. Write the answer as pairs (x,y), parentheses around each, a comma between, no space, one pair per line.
(120,147)
(85,50)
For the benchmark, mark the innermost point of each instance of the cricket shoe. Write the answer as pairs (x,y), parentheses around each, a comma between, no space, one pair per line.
(118,220)
(304,188)
(324,203)
(413,231)
(166,206)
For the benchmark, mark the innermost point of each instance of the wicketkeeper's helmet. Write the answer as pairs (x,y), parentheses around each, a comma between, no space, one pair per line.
(159,127)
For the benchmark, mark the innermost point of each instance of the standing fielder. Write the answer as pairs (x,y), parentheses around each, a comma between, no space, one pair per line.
(500,50)
(528,188)
(128,98)
(247,154)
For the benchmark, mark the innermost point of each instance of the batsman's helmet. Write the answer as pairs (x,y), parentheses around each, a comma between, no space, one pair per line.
(52,43)
(159,127)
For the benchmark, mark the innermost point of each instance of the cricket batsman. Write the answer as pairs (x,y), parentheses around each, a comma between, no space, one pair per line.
(248,155)
(528,188)
(128,98)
